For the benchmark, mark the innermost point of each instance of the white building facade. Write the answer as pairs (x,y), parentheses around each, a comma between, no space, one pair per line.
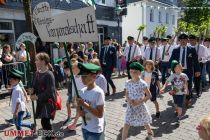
(151,14)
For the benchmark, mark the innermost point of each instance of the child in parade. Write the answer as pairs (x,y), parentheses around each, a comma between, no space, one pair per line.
(72,96)
(85,59)
(100,79)
(27,113)
(18,101)
(92,101)
(179,87)
(59,72)
(137,113)
(150,76)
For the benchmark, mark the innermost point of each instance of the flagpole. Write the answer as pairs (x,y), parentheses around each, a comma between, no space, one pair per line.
(73,80)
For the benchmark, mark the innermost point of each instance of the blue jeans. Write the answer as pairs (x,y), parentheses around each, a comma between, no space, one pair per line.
(91,136)
(164,71)
(19,121)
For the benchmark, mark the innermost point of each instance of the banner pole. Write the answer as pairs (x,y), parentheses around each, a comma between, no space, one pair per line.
(73,80)
(29,84)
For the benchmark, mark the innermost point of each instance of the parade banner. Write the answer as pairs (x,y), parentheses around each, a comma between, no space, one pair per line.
(27,36)
(70,26)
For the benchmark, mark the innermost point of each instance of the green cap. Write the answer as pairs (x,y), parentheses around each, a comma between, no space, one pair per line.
(90,49)
(164,39)
(130,38)
(183,36)
(173,64)
(66,65)
(57,60)
(152,39)
(136,66)
(16,74)
(88,68)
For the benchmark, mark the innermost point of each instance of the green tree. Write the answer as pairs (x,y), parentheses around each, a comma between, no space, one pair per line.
(196,15)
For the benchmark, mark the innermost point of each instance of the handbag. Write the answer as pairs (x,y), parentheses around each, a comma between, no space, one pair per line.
(57,102)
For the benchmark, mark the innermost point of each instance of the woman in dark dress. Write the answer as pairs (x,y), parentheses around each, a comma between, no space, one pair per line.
(6,59)
(44,92)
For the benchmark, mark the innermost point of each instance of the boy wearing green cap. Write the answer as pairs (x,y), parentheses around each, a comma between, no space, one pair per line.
(179,87)
(137,93)
(18,100)
(92,101)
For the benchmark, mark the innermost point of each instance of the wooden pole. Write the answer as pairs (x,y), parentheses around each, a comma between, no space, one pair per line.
(73,80)
(29,81)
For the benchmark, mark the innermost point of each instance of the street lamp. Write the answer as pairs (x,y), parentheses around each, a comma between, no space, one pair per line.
(118,11)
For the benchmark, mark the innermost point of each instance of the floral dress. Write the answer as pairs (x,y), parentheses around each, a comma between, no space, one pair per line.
(137,115)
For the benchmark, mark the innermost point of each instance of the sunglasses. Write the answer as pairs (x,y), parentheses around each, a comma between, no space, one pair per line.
(132,71)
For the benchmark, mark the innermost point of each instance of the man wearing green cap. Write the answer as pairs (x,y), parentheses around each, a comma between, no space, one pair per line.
(108,60)
(188,58)
(202,53)
(166,51)
(92,101)
(207,45)
(153,52)
(132,53)
(18,101)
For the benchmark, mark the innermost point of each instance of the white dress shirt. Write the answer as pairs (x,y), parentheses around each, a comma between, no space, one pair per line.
(143,48)
(180,57)
(208,49)
(202,53)
(147,53)
(168,52)
(18,97)
(135,52)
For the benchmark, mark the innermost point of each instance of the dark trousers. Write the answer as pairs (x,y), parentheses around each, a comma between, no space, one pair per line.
(108,75)
(164,71)
(188,97)
(197,81)
(47,127)
(208,69)
(128,70)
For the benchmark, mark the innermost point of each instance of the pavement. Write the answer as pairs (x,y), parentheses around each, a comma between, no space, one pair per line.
(164,128)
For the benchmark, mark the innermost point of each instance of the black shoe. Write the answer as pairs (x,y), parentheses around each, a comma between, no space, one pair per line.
(33,128)
(157,115)
(198,95)
(107,94)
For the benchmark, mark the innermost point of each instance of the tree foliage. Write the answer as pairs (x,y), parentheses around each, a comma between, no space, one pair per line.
(197,11)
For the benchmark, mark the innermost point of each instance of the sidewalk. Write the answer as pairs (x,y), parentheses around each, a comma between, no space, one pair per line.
(164,128)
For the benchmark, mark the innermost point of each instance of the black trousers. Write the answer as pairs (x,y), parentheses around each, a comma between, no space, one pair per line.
(128,70)
(188,97)
(45,122)
(197,81)
(108,75)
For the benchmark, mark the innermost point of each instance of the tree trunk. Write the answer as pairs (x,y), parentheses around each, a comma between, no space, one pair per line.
(29,27)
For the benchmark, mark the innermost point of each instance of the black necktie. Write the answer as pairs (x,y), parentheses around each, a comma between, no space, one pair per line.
(163,55)
(129,53)
(145,48)
(151,51)
(183,57)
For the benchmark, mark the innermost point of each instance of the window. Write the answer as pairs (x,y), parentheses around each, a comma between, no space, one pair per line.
(167,18)
(5,26)
(159,17)
(173,19)
(151,15)
(103,1)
